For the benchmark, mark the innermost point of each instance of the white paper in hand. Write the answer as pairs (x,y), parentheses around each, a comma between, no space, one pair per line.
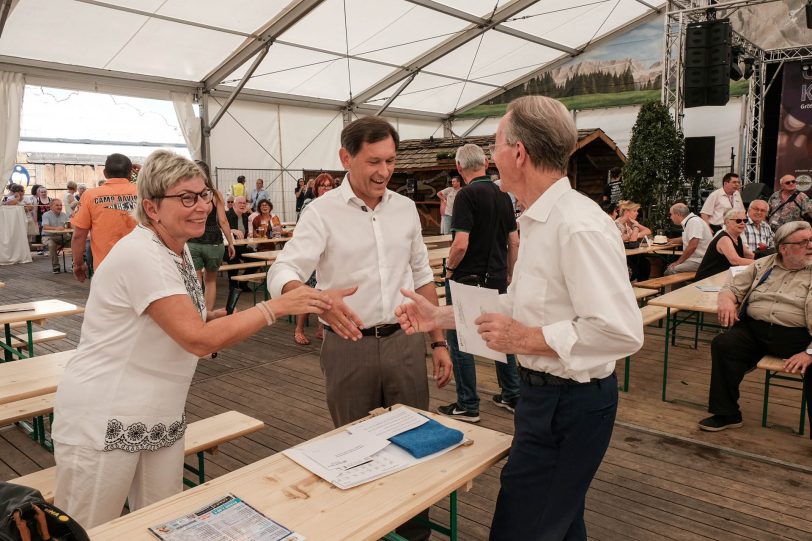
(470,302)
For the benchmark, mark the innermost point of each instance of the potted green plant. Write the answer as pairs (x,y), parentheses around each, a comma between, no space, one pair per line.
(653,174)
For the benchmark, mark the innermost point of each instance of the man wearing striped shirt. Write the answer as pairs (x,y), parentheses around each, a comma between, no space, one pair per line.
(757,232)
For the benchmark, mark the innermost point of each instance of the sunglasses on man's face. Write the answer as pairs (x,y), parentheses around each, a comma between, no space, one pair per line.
(788,182)
(738,220)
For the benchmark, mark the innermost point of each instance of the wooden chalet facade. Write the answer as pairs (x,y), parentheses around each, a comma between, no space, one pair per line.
(430,164)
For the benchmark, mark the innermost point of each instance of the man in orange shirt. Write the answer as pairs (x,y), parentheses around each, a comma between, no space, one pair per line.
(106,211)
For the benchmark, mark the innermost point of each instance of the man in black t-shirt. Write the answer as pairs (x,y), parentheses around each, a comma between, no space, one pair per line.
(484,249)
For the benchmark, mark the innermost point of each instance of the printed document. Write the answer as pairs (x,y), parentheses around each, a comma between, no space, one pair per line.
(470,302)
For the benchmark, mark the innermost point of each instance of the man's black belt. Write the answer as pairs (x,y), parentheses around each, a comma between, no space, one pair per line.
(378,331)
(539,379)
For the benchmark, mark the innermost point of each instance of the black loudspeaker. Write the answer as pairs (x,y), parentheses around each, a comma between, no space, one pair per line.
(809,15)
(753,191)
(699,156)
(707,61)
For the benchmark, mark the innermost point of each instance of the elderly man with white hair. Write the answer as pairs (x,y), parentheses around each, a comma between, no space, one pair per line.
(696,235)
(757,231)
(769,307)
(566,323)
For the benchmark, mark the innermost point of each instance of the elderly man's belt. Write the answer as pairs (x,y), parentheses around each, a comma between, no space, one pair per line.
(378,331)
(539,379)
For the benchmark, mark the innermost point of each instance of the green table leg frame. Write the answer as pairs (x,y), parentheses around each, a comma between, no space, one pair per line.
(451,531)
(768,381)
(9,351)
(200,471)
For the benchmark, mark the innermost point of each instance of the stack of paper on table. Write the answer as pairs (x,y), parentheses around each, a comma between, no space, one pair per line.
(362,453)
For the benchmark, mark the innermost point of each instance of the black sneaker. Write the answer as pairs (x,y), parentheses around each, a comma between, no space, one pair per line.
(452,410)
(716,423)
(509,405)
(57,271)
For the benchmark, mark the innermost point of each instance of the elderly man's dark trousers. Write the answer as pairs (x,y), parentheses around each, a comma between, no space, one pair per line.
(562,433)
(738,350)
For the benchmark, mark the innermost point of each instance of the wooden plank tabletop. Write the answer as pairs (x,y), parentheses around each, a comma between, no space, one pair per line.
(643,292)
(265,256)
(437,239)
(37,310)
(691,297)
(36,376)
(438,254)
(300,500)
(255,241)
(654,248)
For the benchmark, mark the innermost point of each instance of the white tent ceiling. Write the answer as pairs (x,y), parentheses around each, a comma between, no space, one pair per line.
(418,57)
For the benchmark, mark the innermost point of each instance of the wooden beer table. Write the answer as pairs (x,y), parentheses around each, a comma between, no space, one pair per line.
(293,496)
(29,313)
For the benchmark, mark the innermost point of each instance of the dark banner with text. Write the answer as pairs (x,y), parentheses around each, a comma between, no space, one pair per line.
(794,156)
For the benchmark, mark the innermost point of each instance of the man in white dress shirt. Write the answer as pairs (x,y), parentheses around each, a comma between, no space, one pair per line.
(722,200)
(365,243)
(566,322)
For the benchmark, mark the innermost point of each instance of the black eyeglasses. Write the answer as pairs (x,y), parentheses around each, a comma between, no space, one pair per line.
(790,181)
(800,242)
(738,220)
(189,199)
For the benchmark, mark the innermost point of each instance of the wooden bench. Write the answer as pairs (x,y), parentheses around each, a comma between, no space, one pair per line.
(650,314)
(666,281)
(774,369)
(38,337)
(241,266)
(201,437)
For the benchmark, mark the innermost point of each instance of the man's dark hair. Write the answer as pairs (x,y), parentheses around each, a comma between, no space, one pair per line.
(16,188)
(615,172)
(369,129)
(241,179)
(118,166)
(729,176)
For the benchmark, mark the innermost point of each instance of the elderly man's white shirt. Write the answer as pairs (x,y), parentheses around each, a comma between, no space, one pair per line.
(381,250)
(571,280)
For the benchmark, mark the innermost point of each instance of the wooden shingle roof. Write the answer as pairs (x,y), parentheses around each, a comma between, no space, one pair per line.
(422,154)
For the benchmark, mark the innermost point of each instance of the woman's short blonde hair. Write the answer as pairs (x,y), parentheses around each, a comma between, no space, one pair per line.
(732,213)
(624,206)
(162,170)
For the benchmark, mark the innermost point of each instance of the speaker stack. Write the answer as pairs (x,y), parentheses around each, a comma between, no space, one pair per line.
(707,63)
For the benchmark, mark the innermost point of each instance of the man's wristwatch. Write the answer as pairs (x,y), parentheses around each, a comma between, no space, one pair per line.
(439,344)
(809,351)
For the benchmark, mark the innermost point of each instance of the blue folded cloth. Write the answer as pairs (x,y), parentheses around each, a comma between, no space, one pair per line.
(427,439)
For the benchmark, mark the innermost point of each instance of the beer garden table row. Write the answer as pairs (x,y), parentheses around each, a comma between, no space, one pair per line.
(30,313)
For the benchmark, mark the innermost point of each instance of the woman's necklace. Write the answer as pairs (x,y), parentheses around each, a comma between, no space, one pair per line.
(160,238)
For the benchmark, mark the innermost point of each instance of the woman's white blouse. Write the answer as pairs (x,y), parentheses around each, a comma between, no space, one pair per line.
(126,386)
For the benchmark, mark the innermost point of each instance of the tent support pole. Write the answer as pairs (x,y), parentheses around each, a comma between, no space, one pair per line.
(205,132)
(257,61)
(400,89)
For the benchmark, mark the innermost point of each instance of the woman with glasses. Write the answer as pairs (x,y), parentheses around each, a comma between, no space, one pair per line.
(728,248)
(788,204)
(119,410)
(264,224)
(321,185)
(207,249)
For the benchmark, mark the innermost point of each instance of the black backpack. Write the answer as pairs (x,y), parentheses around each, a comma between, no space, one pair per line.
(38,520)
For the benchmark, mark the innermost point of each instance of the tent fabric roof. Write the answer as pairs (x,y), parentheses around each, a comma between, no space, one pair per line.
(427,57)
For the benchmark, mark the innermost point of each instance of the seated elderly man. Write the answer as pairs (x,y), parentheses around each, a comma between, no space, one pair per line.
(757,232)
(696,235)
(769,306)
(53,221)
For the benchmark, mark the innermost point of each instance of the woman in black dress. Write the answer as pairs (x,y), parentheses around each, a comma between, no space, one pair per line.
(727,249)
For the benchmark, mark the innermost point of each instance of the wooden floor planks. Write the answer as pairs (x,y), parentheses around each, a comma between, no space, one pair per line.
(661,479)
